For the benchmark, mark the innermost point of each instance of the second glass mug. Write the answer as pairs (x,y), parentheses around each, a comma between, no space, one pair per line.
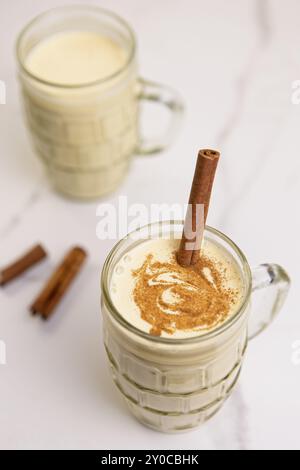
(173,385)
(87,134)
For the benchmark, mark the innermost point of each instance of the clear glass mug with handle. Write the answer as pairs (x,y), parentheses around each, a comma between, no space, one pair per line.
(174,385)
(87,133)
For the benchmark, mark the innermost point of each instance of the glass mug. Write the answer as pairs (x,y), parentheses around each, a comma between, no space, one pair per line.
(87,134)
(174,385)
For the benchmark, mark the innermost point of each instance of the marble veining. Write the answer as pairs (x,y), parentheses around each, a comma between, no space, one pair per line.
(60,366)
(16,219)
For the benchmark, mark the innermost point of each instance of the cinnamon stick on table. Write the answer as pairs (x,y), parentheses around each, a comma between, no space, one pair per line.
(27,261)
(59,283)
(190,246)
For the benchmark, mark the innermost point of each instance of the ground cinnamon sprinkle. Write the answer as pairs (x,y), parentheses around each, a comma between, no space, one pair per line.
(171,297)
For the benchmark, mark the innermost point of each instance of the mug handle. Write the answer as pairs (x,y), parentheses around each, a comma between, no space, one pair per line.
(151,91)
(272,280)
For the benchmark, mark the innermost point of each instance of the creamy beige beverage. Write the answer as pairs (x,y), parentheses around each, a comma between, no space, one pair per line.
(176,336)
(85,135)
(75,58)
(81,108)
(84,130)
(81,91)
(157,296)
(178,354)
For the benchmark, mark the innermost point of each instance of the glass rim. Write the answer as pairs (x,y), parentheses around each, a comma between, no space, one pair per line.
(91,8)
(158,339)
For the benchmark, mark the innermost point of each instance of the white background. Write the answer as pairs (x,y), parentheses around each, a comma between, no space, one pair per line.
(234,63)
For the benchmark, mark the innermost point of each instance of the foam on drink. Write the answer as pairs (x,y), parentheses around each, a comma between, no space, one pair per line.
(75,58)
(158,296)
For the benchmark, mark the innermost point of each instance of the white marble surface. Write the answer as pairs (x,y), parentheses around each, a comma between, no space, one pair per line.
(234,63)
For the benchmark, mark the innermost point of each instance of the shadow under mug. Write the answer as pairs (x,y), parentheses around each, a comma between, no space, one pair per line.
(173,385)
(87,134)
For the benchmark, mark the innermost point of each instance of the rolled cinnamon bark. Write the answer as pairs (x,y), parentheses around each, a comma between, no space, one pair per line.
(27,261)
(190,246)
(59,283)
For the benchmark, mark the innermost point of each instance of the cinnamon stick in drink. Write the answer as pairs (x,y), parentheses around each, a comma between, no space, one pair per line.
(190,246)
(59,283)
(27,261)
